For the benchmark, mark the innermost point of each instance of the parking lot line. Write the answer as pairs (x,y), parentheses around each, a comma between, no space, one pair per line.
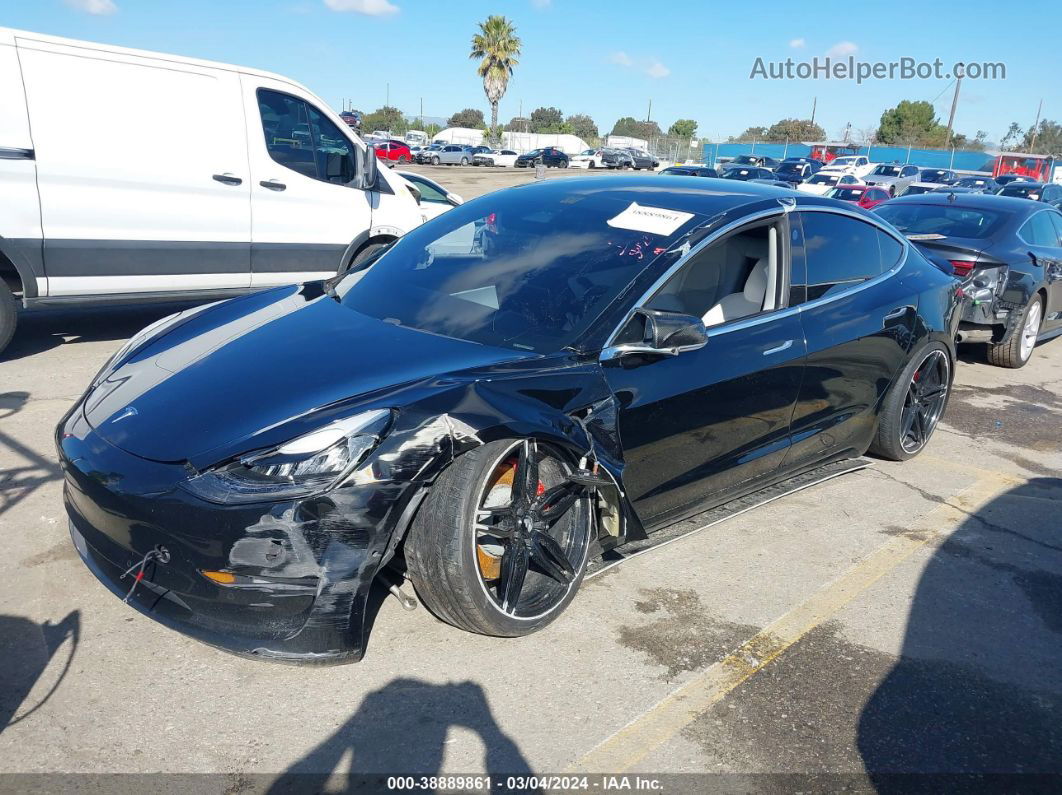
(650,730)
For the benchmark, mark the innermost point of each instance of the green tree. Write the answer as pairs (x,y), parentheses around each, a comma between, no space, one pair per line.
(546,120)
(498,48)
(469,117)
(630,126)
(683,128)
(583,126)
(385,118)
(911,123)
(795,130)
(1012,136)
(751,134)
(1044,139)
(519,124)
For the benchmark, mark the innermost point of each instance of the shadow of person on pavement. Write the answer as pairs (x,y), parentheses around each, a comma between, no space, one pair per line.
(26,650)
(978,686)
(401,729)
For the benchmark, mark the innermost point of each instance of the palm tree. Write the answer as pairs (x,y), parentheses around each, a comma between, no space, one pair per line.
(498,47)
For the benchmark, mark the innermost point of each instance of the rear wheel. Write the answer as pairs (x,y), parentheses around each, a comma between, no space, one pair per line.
(914,405)
(464,161)
(501,543)
(1017,350)
(402,160)
(8,315)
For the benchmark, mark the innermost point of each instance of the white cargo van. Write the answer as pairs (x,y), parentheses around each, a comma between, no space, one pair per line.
(131,176)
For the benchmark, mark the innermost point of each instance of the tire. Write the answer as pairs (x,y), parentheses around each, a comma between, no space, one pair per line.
(8,315)
(402,160)
(445,551)
(564,164)
(435,160)
(464,161)
(1017,351)
(892,440)
(591,166)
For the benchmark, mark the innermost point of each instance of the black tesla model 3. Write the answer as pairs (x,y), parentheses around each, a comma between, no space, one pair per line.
(525,382)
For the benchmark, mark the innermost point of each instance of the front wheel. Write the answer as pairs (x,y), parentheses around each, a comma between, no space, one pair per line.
(435,161)
(8,315)
(914,405)
(500,545)
(1017,350)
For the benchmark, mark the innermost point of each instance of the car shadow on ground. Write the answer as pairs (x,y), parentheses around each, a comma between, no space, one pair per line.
(978,687)
(20,480)
(978,354)
(40,331)
(403,729)
(27,649)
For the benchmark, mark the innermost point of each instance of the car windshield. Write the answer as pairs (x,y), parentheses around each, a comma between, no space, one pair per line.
(932,175)
(940,219)
(824,179)
(847,194)
(790,168)
(745,160)
(887,171)
(509,271)
(972,182)
(1019,189)
(843,161)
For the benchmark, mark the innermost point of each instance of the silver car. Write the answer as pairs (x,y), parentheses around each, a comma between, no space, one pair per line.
(452,154)
(893,177)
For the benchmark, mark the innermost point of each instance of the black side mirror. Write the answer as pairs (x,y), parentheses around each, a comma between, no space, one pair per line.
(666,334)
(370,168)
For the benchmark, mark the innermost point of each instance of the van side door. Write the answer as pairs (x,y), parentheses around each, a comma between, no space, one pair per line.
(141,171)
(306,207)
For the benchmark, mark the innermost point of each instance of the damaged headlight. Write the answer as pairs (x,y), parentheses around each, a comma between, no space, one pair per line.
(311,463)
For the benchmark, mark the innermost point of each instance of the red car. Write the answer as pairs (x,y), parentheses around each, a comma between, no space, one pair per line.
(393,152)
(867,197)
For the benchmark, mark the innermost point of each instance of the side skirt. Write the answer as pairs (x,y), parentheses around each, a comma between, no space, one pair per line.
(727,510)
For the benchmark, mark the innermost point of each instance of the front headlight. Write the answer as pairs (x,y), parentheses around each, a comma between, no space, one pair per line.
(309,464)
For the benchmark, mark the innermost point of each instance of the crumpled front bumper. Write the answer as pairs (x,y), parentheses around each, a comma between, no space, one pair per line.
(300,570)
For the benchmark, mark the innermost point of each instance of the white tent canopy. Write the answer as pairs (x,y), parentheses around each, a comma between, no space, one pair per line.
(518,141)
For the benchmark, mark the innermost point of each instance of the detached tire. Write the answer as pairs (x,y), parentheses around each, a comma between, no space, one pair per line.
(450,557)
(922,388)
(1017,350)
(8,315)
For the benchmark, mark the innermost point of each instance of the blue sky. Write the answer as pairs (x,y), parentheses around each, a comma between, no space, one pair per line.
(607,58)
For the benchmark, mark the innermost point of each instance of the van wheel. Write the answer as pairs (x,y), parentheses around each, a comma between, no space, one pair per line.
(8,315)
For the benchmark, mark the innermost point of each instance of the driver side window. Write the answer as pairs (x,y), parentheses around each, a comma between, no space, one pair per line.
(733,278)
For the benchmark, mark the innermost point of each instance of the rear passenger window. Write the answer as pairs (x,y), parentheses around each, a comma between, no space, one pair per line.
(840,252)
(1039,231)
(1056,219)
(300,137)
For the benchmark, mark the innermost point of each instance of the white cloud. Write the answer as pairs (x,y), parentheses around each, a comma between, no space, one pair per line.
(797,44)
(621,58)
(370,8)
(540,4)
(841,49)
(657,69)
(100,8)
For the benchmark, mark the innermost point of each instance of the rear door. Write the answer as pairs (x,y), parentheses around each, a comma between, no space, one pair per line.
(303,164)
(1041,235)
(857,319)
(141,168)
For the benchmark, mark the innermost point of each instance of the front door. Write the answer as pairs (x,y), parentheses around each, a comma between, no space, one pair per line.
(304,211)
(705,423)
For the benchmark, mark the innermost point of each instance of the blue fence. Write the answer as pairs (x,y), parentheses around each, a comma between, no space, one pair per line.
(928,158)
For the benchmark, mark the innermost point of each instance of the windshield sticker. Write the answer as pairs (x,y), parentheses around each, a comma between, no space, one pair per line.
(654,220)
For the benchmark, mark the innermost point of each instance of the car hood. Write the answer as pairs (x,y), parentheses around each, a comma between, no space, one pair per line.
(238,372)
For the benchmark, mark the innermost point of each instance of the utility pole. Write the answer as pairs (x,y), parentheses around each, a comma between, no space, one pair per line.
(649,113)
(1036,126)
(954,102)
(422,111)
(814,105)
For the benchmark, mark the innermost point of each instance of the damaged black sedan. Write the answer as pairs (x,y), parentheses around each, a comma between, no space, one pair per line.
(532,379)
